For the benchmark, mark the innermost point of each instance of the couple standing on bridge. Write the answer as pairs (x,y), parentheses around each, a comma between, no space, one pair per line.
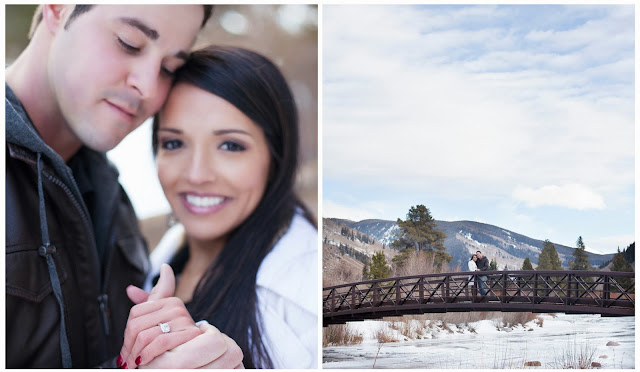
(479,263)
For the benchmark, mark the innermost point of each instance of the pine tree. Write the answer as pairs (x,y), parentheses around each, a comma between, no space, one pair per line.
(580,257)
(419,231)
(365,272)
(549,259)
(379,268)
(493,265)
(619,263)
(526,265)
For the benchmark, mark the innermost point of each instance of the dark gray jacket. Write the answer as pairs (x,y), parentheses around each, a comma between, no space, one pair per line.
(483,263)
(72,247)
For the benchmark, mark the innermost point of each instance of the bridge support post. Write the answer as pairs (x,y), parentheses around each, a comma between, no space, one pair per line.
(376,294)
(606,288)
(353,297)
(421,290)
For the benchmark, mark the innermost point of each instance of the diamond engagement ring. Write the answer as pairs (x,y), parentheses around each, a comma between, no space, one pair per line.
(165,327)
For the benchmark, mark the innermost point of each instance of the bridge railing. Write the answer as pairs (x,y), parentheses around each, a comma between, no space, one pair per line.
(612,293)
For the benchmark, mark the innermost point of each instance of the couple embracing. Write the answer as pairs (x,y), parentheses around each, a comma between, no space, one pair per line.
(80,289)
(478,262)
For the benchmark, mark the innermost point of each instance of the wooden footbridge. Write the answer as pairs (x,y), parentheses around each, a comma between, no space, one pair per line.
(574,292)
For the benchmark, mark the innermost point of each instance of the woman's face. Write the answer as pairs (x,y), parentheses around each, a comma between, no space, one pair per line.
(475,258)
(213,162)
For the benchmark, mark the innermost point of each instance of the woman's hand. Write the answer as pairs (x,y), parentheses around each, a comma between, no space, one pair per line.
(185,346)
(144,339)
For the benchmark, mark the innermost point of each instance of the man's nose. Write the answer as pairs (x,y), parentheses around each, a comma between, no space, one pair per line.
(144,78)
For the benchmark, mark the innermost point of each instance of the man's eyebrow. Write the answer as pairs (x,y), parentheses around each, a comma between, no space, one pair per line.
(134,22)
(150,33)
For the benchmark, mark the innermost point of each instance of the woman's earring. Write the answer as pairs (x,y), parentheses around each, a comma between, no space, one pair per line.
(171,219)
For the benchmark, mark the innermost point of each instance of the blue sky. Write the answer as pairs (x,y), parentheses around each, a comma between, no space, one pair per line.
(520,116)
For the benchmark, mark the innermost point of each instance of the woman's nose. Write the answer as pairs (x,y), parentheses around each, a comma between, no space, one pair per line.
(201,167)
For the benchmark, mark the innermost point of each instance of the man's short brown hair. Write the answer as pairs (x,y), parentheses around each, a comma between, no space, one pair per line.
(79,9)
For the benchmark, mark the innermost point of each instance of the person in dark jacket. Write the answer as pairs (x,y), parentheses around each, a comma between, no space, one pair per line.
(89,76)
(483,265)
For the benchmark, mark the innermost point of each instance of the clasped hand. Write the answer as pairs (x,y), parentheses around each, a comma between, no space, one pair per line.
(146,345)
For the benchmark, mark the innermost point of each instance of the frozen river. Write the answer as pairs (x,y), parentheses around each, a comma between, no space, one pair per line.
(558,338)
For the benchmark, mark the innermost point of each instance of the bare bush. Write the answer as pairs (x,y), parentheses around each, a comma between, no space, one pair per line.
(340,334)
(340,271)
(514,319)
(404,325)
(419,263)
(574,357)
(385,334)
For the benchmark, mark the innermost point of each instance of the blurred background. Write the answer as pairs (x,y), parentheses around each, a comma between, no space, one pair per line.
(287,34)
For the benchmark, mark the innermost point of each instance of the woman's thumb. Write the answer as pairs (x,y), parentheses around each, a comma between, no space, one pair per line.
(166,285)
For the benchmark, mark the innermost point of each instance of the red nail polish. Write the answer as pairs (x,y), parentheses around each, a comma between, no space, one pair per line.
(119,361)
(138,360)
(125,366)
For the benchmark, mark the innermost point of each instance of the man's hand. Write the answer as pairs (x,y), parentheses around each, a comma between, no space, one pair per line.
(211,349)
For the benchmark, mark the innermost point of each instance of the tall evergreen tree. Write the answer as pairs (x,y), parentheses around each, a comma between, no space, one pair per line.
(493,265)
(419,231)
(379,268)
(619,263)
(526,265)
(629,253)
(549,259)
(580,257)
(365,271)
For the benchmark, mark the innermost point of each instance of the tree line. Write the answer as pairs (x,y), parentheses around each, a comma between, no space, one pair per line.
(347,232)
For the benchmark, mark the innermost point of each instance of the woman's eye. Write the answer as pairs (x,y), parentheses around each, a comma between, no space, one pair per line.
(171,144)
(232,146)
(128,47)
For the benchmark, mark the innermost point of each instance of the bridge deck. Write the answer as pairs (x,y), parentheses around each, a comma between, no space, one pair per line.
(576,292)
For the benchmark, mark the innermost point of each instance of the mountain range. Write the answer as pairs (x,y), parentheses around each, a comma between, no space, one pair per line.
(464,238)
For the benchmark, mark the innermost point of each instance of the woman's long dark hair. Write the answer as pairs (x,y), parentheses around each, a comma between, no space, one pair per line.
(226,294)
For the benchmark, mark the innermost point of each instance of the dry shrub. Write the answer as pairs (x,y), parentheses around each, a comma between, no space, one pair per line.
(404,325)
(340,334)
(419,263)
(574,357)
(385,334)
(513,319)
(340,271)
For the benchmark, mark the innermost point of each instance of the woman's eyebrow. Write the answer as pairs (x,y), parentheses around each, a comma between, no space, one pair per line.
(172,130)
(227,131)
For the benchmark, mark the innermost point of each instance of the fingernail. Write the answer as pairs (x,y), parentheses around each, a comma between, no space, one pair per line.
(125,366)
(138,360)
(119,361)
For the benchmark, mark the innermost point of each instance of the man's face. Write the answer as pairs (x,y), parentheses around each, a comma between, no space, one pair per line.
(112,67)
(479,255)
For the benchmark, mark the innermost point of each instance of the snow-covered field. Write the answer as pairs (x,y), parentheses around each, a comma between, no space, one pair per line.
(485,344)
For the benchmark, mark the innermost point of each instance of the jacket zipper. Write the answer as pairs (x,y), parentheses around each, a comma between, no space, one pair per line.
(103,298)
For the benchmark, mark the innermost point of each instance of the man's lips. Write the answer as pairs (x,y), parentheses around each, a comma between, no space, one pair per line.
(123,108)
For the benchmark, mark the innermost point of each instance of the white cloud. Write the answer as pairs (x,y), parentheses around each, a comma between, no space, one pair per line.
(419,107)
(574,196)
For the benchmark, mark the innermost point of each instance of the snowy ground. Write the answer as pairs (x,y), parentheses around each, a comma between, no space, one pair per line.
(485,344)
